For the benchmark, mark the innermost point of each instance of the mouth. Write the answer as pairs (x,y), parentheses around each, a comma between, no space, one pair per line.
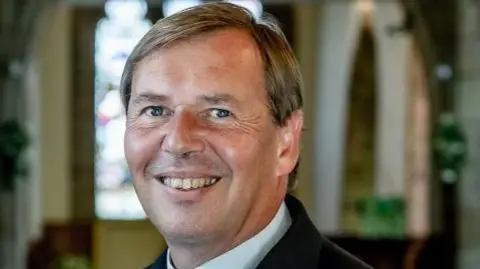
(188,184)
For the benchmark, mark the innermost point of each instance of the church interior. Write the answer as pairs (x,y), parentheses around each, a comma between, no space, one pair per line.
(390,156)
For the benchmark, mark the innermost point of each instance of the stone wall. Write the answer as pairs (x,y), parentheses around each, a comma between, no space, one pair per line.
(467,103)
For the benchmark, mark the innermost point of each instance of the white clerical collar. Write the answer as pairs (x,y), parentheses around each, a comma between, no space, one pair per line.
(251,252)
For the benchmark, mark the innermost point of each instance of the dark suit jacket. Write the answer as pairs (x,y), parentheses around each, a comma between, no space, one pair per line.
(302,247)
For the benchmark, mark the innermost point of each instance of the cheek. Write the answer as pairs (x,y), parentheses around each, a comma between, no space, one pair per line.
(139,150)
(247,156)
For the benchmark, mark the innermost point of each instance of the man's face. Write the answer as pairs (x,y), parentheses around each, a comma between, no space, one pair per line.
(207,160)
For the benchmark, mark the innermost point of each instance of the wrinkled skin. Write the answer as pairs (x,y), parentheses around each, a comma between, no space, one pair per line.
(197,109)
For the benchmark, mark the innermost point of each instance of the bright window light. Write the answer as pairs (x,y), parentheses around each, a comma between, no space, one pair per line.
(171,7)
(255,6)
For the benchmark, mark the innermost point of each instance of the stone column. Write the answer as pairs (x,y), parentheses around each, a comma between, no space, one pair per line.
(17,208)
(467,96)
(392,99)
(7,230)
(418,148)
(10,214)
(339,29)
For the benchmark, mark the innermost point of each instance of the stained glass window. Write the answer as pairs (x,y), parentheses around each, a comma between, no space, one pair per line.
(115,37)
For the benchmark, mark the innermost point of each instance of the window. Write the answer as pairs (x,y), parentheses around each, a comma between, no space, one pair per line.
(115,37)
(173,6)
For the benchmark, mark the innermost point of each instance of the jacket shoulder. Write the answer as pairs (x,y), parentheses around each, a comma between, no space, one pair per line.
(160,262)
(332,256)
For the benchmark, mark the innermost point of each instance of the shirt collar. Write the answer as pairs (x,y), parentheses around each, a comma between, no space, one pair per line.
(251,252)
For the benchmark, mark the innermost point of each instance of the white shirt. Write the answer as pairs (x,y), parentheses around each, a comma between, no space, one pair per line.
(251,252)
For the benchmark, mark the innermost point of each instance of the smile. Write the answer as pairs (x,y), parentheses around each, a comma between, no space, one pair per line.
(187,184)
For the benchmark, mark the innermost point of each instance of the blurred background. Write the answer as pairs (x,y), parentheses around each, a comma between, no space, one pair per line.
(390,163)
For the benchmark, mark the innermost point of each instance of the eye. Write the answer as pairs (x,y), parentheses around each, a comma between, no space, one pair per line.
(155,111)
(220,113)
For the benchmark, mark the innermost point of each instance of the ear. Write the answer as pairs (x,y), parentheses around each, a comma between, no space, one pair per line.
(289,143)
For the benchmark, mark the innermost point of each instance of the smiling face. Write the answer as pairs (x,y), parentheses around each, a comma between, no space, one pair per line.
(209,164)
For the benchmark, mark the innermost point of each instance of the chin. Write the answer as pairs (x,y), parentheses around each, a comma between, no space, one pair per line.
(187,234)
(186,229)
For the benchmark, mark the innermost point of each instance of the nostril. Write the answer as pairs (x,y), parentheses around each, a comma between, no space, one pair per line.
(186,154)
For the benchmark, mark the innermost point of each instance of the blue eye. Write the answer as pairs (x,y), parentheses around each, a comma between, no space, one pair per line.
(220,113)
(155,111)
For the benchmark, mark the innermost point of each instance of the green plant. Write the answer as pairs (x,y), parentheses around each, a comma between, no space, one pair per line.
(450,148)
(381,216)
(14,141)
(71,261)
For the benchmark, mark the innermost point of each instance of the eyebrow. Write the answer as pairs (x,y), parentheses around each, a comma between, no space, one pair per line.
(149,98)
(217,99)
(214,99)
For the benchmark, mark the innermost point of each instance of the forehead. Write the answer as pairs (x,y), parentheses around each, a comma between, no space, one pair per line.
(227,60)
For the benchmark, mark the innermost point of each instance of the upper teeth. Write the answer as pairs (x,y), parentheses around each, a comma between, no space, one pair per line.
(188,183)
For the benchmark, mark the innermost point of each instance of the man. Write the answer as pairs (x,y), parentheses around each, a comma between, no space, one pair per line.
(214,119)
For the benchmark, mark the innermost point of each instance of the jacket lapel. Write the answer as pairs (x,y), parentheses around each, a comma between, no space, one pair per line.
(160,263)
(301,240)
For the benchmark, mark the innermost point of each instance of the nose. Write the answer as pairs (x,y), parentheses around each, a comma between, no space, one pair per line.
(182,136)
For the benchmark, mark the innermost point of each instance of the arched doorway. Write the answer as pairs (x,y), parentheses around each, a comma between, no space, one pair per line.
(340,179)
(361,130)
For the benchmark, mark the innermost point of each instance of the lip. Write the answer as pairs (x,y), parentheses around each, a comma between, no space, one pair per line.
(185,174)
(191,196)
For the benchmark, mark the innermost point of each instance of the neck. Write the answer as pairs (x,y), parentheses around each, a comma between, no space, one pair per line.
(190,256)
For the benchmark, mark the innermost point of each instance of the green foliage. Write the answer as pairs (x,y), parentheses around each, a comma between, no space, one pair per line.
(14,141)
(382,217)
(71,261)
(450,147)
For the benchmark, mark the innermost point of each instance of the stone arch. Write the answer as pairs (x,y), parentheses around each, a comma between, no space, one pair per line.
(340,25)
(392,64)
(418,146)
